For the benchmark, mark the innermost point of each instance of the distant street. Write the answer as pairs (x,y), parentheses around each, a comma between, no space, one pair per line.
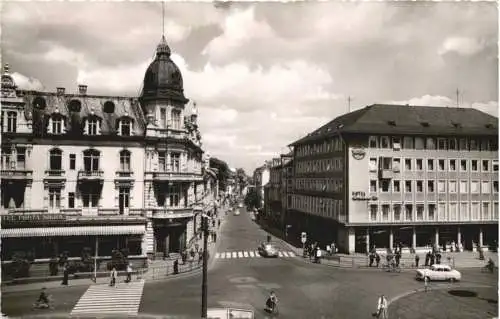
(305,290)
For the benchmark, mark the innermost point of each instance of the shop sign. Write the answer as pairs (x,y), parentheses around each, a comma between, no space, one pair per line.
(362,196)
(32,217)
(358,153)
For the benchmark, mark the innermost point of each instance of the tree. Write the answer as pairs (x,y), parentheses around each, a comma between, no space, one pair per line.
(241,179)
(224,172)
(253,199)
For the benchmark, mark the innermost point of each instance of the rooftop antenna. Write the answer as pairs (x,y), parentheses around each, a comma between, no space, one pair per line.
(349,99)
(163,18)
(458,96)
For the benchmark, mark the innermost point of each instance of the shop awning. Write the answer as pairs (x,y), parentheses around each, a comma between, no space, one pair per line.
(74,231)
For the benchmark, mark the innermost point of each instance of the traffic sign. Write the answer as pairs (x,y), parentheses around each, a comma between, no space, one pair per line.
(303,238)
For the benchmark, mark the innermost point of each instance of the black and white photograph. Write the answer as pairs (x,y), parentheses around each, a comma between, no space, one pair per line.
(249,159)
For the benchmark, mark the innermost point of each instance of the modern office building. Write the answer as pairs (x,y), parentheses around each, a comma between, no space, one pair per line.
(77,168)
(399,174)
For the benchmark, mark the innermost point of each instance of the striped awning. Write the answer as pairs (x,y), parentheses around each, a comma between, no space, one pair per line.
(74,231)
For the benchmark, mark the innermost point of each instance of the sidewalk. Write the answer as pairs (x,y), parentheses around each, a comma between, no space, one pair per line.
(153,273)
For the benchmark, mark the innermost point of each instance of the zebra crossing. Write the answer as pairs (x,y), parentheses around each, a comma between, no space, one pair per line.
(123,299)
(249,254)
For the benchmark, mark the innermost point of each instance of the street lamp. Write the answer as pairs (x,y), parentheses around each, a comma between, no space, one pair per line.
(204,222)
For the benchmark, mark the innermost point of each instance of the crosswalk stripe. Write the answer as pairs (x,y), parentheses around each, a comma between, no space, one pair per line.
(245,254)
(285,254)
(291,253)
(252,254)
(228,255)
(240,254)
(280,254)
(257,254)
(234,254)
(217,255)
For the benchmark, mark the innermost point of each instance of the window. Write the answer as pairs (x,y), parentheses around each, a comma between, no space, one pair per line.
(452,211)
(163,117)
(396,143)
(452,186)
(54,197)
(474,187)
(419,164)
(463,187)
(485,187)
(464,211)
(452,144)
(384,185)
(385,142)
(495,186)
(90,197)
(473,164)
(442,211)
(385,212)
(91,160)
(373,164)
(430,164)
(430,143)
(373,212)
(72,161)
(441,166)
(92,126)
(419,143)
(420,212)
(420,186)
(432,211)
(485,167)
(125,161)
(495,165)
(453,165)
(71,200)
(463,145)
(463,165)
(174,195)
(162,161)
(442,144)
(175,159)
(396,164)
(11,122)
(372,140)
(21,158)
(373,186)
(125,128)
(485,211)
(55,159)
(474,145)
(485,145)
(430,187)
(441,187)
(176,119)
(386,163)
(474,211)
(397,187)
(57,125)
(408,186)
(123,199)
(407,164)
(495,211)
(408,143)
(397,212)
(408,212)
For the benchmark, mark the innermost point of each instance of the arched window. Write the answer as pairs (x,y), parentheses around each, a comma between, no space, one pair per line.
(125,161)
(55,159)
(109,107)
(75,106)
(39,103)
(176,119)
(91,160)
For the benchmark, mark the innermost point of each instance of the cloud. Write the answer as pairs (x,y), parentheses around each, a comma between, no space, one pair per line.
(462,45)
(24,82)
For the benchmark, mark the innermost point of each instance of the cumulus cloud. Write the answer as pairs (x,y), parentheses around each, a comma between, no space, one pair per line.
(24,82)
(462,45)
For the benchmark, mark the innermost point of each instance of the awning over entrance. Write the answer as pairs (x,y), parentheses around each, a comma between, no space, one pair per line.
(74,231)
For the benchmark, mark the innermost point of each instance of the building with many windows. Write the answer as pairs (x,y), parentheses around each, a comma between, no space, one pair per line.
(399,174)
(277,197)
(261,176)
(77,167)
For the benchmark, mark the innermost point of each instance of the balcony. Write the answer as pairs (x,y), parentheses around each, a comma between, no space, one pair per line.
(172,212)
(90,176)
(124,178)
(18,173)
(55,177)
(176,176)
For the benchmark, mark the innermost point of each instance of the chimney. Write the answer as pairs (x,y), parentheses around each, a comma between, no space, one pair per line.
(82,89)
(60,91)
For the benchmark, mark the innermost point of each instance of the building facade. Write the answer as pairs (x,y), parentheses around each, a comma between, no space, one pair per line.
(77,168)
(261,177)
(391,175)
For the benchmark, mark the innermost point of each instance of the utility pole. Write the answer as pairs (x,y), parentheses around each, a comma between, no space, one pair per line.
(205,265)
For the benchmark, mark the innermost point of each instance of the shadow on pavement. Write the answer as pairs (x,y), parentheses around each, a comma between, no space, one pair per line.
(463,293)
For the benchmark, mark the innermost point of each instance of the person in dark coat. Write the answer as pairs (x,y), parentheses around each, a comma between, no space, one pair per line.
(417,259)
(432,259)
(176,267)
(427,258)
(371,259)
(377,259)
(398,257)
(65,275)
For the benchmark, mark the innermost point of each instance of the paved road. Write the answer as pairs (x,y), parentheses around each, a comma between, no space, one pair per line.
(305,290)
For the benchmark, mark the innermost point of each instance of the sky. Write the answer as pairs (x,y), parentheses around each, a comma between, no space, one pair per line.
(263,74)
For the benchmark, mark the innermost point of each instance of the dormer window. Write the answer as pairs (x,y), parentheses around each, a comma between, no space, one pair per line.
(125,127)
(56,125)
(424,124)
(489,125)
(92,126)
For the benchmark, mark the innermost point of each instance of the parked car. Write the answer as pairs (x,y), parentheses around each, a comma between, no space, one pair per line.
(236,212)
(438,273)
(240,205)
(268,250)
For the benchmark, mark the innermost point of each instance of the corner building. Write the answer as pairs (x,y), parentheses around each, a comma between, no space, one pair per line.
(82,170)
(398,174)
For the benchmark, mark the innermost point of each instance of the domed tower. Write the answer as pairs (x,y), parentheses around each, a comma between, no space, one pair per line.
(8,85)
(162,98)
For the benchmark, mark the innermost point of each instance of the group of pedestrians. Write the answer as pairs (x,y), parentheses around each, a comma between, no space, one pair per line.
(114,275)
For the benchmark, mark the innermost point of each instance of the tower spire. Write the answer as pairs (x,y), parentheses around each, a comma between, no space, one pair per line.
(163,19)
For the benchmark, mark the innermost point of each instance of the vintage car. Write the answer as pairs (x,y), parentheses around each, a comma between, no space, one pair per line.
(240,205)
(236,212)
(268,250)
(438,273)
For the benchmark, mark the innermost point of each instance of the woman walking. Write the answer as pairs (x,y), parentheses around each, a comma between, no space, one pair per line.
(113,276)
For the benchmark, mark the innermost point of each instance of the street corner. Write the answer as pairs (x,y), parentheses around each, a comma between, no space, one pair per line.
(454,302)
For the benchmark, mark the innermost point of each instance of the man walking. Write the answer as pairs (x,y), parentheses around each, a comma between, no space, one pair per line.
(382,307)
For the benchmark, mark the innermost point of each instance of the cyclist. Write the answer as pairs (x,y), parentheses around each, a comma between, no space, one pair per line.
(271,302)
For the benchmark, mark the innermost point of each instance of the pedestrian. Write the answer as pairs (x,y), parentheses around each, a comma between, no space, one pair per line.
(65,275)
(200,256)
(318,255)
(432,259)
(427,258)
(398,257)
(382,307)
(372,257)
(328,250)
(176,266)
(129,273)
(426,283)
(218,223)
(215,237)
(377,259)
(112,277)
(417,259)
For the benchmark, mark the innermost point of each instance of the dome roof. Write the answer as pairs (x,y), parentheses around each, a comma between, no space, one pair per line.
(7,80)
(163,79)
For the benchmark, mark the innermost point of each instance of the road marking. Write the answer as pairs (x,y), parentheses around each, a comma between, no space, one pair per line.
(252,254)
(257,254)
(240,254)
(249,254)
(245,254)
(234,254)
(291,253)
(285,254)
(228,254)
(124,299)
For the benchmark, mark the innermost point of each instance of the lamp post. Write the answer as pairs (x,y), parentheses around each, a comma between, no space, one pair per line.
(205,264)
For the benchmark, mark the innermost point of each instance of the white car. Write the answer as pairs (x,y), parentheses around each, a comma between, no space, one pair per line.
(240,205)
(439,272)
(236,212)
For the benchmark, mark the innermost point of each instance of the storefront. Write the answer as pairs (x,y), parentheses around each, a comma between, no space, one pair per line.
(170,235)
